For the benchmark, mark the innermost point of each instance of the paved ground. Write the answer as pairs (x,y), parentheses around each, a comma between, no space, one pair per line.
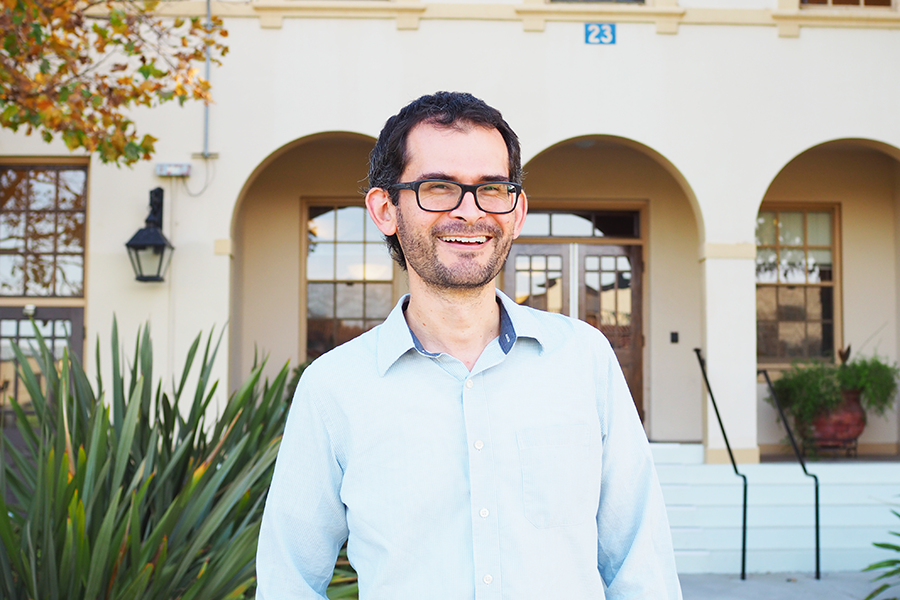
(782,586)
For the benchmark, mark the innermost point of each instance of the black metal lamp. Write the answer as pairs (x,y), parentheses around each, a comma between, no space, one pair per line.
(149,250)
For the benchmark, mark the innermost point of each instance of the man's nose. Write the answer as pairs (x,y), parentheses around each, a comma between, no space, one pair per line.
(468,209)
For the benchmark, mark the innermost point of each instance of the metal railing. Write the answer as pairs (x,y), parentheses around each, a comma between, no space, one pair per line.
(736,472)
(799,456)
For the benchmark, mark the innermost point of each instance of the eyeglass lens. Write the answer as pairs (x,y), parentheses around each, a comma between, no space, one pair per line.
(446,195)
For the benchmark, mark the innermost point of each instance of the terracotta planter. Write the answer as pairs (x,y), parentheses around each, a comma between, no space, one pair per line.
(839,428)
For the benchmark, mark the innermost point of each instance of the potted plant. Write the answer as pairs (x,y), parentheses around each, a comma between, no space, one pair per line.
(828,403)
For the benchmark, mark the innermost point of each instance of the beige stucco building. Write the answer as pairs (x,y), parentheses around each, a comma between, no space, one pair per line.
(657,168)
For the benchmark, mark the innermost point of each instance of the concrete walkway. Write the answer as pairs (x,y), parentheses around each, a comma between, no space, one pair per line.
(782,586)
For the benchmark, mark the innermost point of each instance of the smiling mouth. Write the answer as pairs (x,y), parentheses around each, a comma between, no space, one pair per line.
(456,239)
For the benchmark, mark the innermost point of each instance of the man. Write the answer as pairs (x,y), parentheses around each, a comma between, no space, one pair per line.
(468,447)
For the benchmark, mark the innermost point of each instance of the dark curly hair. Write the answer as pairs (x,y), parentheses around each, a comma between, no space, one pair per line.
(388,158)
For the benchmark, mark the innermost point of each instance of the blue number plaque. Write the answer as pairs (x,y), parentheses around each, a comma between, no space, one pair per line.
(599,33)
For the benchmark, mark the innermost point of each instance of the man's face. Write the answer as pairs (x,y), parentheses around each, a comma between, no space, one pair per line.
(464,248)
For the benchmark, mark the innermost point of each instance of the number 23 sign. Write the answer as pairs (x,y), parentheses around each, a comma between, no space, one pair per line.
(599,33)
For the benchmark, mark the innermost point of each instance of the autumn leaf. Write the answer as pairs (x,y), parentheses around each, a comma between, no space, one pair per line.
(73,70)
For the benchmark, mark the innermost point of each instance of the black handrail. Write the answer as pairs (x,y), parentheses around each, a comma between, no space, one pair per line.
(799,456)
(733,464)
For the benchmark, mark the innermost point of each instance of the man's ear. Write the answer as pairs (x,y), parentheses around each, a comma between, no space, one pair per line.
(520,212)
(382,211)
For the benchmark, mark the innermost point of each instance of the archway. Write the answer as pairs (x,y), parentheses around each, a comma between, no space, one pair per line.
(611,184)
(827,268)
(270,240)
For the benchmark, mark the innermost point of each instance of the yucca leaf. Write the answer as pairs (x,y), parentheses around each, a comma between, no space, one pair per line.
(127,435)
(136,589)
(880,589)
(188,362)
(224,575)
(101,555)
(28,434)
(228,500)
(118,384)
(31,383)
(64,402)
(68,559)
(96,449)
(97,363)
(8,558)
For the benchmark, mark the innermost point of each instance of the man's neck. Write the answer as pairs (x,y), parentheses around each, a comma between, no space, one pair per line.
(460,323)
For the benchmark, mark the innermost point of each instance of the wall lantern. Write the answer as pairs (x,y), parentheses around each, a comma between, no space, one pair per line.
(149,250)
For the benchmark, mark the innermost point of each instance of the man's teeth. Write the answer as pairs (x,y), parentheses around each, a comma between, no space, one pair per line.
(465,240)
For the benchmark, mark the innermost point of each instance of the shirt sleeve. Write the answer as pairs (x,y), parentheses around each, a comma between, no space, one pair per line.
(304,523)
(635,554)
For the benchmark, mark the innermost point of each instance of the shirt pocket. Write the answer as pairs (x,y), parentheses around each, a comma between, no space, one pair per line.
(555,474)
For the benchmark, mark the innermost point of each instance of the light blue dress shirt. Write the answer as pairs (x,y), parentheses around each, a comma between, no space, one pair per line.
(529,477)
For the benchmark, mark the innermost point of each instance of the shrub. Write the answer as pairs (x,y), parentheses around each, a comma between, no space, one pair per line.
(120,496)
(808,389)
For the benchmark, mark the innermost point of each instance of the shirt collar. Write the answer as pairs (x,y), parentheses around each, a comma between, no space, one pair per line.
(395,338)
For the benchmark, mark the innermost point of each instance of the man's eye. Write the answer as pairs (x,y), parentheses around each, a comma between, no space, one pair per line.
(438,187)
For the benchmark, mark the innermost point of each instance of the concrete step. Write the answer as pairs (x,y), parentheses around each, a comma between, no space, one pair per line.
(704,507)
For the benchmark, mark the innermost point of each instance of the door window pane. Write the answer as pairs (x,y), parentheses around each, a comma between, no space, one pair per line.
(351,264)
(795,275)
(536,224)
(61,328)
(378,300)
(790,229)
(349,275)
(766,304)
(819,227)
(793,266)
(349,300)
(590,224)
(791,304)
(42,231)
(566,225)
(538,284)
(320,261)
(351,224)
(765,229)
(319,300)
(820,266)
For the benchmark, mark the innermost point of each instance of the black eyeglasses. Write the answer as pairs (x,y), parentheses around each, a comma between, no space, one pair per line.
(439,195)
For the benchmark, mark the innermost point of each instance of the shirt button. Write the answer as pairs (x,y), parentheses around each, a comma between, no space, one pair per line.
(487,579)
(469,384)
(484,513)
(479,444)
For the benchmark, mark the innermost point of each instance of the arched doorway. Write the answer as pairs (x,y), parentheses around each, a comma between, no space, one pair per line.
(827,269)
(612,238)
(308,272)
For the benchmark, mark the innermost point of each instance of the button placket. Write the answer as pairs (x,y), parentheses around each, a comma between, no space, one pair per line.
(485,528)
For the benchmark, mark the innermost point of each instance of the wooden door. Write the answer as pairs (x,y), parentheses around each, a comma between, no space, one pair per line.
(603,289)
(610,300)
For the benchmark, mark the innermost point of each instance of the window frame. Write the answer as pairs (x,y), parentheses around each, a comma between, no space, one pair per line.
(399,285)
(837,270)
(55,162)
(829,4)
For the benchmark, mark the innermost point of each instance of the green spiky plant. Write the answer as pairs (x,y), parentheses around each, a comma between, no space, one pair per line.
(891,567)
(121,495)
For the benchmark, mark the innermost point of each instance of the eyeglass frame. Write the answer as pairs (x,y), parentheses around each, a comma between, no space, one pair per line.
(466,188)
